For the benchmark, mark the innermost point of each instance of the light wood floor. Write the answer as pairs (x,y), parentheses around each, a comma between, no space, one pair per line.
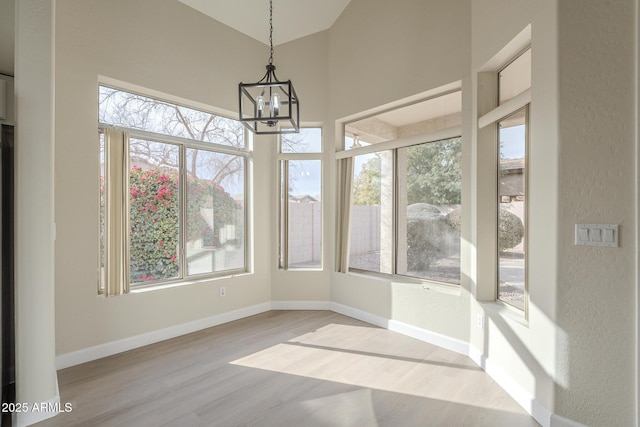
(286,368)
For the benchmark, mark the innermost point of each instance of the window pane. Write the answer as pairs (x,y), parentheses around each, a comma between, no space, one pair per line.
(515,78)
(140,112)
(154,224)
(429,193)
(309,140)
(215,212)
(512,209)
(371,240)
(305,214)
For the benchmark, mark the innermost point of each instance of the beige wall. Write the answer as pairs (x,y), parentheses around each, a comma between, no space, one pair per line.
(597,184)
(381,53)
(573,356)
(575,353)
(574,322)
(168,47)
(527,351)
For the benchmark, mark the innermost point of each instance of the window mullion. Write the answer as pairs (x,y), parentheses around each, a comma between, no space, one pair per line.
(394,198)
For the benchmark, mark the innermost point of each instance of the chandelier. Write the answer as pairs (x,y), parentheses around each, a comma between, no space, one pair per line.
(269,106)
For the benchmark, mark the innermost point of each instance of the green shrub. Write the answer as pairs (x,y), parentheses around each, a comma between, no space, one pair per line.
(429,236)
(510,230)
(454,218)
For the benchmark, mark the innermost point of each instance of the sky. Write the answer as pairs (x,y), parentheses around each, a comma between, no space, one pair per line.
(512,142)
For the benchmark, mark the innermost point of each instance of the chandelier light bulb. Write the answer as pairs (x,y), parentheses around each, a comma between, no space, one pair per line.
(260,102)
(275,104)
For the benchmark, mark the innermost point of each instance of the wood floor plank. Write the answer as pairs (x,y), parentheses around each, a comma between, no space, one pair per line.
(286,368)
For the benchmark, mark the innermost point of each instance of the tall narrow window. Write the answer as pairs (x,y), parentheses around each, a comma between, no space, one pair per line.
(512,161)
(301,200)
(514,82)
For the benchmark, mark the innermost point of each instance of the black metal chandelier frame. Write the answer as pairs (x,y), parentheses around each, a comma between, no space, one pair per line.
(269,106)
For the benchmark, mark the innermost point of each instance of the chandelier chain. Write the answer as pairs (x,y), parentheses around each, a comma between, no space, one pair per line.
(271,31)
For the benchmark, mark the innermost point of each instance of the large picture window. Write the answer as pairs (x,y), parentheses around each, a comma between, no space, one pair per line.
(173,192)
(404,192)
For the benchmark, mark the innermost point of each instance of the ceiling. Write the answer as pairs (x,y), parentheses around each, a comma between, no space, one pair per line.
(292,19)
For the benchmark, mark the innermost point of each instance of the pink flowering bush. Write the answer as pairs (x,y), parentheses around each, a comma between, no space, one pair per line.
(153,223)
(154,220)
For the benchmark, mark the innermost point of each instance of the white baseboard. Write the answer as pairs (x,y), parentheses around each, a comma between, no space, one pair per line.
(114,347)
(300,305)
(39,411)
(434,338)
(558,421)
(364,316)
(528,402)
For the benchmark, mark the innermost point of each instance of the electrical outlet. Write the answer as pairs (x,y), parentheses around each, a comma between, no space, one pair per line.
(223,292)
(480,321)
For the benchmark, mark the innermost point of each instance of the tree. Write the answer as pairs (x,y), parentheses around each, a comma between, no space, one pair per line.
(366,187)
(434,173)
(135,111)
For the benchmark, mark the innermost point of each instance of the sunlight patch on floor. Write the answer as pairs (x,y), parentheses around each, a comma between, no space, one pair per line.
(362,362)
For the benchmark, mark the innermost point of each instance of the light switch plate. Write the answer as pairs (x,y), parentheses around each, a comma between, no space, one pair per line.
(597,235)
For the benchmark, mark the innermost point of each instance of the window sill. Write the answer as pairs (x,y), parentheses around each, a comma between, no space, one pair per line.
(140,289)
(303,269)
(426,285)
(504,310)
